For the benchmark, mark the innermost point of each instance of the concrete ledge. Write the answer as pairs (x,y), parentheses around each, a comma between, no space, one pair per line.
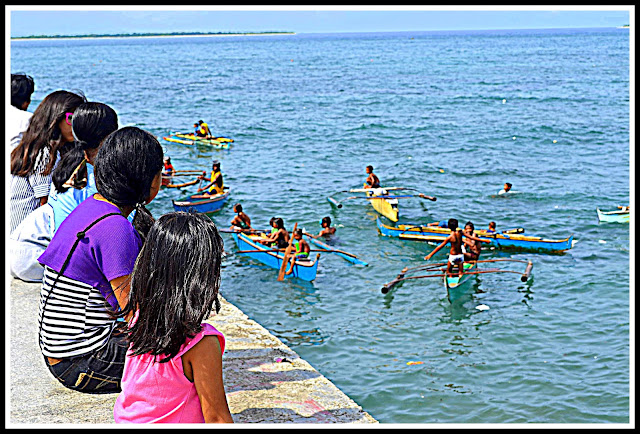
(259,389)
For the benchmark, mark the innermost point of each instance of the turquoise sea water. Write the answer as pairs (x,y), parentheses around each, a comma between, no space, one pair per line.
(453,114)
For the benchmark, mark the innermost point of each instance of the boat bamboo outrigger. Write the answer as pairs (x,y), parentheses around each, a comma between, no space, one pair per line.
(191,140)
(453,282)
(506,240)
(326,247)
(381,199)
(168,181)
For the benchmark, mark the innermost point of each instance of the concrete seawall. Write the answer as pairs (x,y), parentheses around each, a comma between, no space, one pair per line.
(259,389)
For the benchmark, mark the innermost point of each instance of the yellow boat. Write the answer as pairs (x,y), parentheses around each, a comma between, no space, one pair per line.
(388,207)
(382,201)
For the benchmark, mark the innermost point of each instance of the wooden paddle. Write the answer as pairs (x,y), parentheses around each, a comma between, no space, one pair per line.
(287,256)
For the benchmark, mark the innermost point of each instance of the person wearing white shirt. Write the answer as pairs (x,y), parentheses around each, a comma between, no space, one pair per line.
(17,120)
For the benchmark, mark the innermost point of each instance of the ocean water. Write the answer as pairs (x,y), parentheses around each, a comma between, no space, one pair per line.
(452,114)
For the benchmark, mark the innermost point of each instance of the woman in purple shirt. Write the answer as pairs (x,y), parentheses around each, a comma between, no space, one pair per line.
(88,263)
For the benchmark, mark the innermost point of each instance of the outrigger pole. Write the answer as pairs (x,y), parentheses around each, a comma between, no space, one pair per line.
(401,277)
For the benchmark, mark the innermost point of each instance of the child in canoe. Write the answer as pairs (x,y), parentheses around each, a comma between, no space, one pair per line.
(173,367)
(216,183)
(168,167)
(472,243)
(372,180)
(241,221)
(440,224)
(279,237)
(302,249)
(456,256)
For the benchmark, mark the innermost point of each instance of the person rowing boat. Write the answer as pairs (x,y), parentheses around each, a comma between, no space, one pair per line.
(216,183)
(302,249)
(201,129)
(168,167)
(456,256)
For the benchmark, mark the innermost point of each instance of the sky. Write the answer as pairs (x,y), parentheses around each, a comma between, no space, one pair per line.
(78,20)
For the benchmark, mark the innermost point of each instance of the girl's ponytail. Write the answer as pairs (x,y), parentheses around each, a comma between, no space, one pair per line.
(142,221)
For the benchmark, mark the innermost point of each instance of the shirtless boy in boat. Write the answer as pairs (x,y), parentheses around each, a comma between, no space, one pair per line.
(241,221)
(372,180)
(472,243)
(456,257)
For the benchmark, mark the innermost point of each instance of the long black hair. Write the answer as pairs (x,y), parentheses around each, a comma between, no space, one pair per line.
(125,166)
(174,283)
(92,122)
(279,223)
(68,162)
(43,132)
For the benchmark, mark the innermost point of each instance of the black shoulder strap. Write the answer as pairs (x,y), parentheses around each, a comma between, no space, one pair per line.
(79,236)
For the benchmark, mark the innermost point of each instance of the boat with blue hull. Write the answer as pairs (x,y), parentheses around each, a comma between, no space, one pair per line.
(457,285)
(501,240)
(204,204)
(248,245)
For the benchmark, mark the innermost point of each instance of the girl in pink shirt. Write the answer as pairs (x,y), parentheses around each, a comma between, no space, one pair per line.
(173,369)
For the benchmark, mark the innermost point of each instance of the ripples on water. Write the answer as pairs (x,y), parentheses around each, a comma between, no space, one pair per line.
(453,114)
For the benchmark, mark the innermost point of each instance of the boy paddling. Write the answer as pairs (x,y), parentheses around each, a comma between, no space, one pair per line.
(456,256)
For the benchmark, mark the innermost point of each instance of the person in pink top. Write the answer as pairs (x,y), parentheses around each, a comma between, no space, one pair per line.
(173,368)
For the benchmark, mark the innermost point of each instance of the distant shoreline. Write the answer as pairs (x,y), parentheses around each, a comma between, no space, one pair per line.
(146,35)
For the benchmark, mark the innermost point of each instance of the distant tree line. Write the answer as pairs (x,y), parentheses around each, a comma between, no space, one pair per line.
(127,35)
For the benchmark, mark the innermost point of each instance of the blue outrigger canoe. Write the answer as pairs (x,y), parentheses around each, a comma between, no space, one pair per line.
(206,205)
(303,269)
(456,285)
(499,240)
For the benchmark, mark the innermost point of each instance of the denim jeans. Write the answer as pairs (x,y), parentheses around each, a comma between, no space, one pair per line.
(96,372)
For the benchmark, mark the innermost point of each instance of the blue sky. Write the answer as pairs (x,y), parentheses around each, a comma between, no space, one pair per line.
(26,21)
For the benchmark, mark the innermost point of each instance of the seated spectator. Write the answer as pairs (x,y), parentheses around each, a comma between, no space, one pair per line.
(17,117)
(93,253)
(35,157)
